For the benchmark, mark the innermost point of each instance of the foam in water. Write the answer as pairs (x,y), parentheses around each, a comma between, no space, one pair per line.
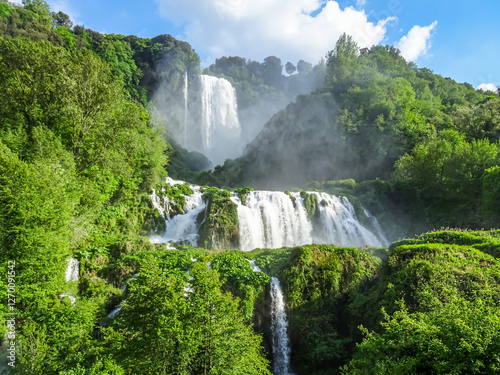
(279,325)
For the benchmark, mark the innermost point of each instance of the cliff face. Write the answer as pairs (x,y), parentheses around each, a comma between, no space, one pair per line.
(298,144)
(304,142)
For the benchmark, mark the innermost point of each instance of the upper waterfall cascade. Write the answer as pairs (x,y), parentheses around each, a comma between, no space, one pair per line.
(205,117)
(271,219)
(219,112)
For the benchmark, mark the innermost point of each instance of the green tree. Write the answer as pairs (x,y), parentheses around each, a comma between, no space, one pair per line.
(341,62)
(171,326)
(290,68)
(37,202)
(304,67)
(61,19)
(445,173)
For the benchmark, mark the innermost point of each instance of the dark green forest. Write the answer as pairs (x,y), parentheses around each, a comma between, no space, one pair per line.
(81,152)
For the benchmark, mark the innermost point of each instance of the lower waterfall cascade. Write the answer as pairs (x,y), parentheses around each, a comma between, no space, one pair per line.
(279,326)
(72,270)
(271,219)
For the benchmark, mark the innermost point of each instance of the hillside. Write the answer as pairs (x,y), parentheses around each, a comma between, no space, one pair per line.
(378,117)
(112,267)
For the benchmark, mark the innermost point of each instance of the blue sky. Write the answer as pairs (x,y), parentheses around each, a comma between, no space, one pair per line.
(456,39)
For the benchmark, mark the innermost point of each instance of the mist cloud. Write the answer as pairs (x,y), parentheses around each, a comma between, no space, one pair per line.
(487,87)
(291,30)
(417,42)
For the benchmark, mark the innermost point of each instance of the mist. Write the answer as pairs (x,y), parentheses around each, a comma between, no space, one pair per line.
(206,114)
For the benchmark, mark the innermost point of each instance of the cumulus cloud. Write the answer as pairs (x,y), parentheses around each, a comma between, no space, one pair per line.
(487,87)
(417,42)
(255,29)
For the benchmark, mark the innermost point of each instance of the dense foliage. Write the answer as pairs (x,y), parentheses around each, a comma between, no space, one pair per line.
(378,117)
(80,155)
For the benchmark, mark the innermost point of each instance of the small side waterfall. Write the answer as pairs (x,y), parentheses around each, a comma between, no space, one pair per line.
(72,275)
(279,325)
(181,227)
(73,270)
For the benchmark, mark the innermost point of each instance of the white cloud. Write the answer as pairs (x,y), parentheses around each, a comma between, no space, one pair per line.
(487,87)
(417,42)
(360,4)
(256,29)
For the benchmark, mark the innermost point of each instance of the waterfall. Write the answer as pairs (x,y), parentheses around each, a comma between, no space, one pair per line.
(271,219)
(279,325)
(73,270)
(72,274)
(220,128)
(255,268)
(186,98)
(115,311)
(339,224)
(182,227)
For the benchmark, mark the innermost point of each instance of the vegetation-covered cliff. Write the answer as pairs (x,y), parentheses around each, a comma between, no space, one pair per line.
(80,156)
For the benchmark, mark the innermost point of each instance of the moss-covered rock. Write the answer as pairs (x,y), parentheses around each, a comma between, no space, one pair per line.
(242,193)
(311,204)
(219,222)
(293,199)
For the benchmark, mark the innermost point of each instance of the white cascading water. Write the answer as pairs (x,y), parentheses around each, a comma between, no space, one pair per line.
(376,225)
(118,308)
(255,268)
(186,113)
(73,270)
(182,227)
(279,325)
(340,226)
(271,220)
(220,127)
(72,275)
